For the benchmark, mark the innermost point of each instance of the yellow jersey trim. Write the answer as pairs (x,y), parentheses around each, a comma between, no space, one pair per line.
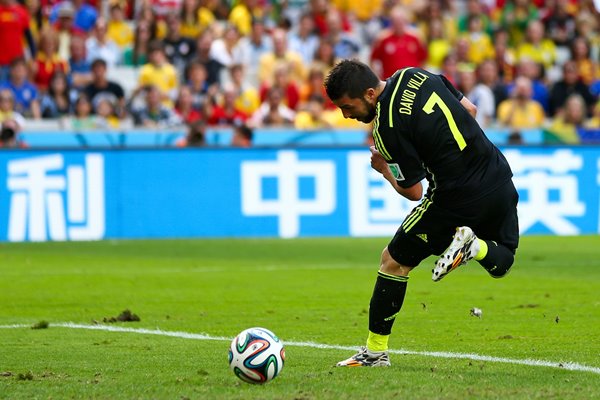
(394,95)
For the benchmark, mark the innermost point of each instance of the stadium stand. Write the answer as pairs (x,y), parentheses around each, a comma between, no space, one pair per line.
(239,45)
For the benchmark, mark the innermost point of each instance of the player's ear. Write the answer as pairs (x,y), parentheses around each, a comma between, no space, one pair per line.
(370,95)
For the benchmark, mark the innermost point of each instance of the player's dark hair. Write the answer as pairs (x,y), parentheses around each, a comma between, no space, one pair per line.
(245,131)
(7,134)
(196,136)
(350,77)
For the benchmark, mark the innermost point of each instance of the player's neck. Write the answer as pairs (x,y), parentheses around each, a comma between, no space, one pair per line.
(380,88)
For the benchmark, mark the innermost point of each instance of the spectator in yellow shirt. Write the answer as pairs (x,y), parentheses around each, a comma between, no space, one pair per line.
(118,30)
(281,55)
(565,124)
(248,99)
(438,45)
(315,116)
(159,72)
(587,67)
(241,15)
(520,111)
(480,43)
(516,16)
(195,18)
(594,121)
(364,10)
(312,116)
(443,13)
(536,47)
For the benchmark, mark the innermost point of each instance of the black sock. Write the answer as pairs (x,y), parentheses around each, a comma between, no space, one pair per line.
(498,259)
(386,302)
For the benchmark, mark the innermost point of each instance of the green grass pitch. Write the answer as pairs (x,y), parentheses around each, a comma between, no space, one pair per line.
(307,290)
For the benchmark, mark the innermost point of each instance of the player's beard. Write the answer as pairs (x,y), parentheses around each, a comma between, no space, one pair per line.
(370,112)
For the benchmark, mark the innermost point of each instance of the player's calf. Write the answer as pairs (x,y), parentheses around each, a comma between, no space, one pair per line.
(498,259)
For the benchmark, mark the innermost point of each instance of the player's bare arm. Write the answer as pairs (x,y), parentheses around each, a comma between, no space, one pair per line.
(378,163)
(470,107)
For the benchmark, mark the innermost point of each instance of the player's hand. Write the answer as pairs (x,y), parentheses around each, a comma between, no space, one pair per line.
(378,163)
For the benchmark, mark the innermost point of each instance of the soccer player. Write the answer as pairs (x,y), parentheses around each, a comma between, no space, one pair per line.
(425,128)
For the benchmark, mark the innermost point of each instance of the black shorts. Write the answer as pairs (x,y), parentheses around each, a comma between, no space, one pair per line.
(429,228)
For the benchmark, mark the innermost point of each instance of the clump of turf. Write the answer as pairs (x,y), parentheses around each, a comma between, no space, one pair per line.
(125,316)
(41,325)
(27,376)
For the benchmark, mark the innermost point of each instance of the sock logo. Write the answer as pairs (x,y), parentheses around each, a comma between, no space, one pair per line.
(391,317)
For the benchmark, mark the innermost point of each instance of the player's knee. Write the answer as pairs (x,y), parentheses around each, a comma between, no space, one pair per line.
(506,257)
(390,266)
(499,262)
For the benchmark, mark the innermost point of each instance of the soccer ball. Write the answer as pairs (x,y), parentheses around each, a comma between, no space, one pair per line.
(256,355)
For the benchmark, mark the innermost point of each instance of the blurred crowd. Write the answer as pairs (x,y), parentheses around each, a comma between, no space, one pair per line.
(246,64)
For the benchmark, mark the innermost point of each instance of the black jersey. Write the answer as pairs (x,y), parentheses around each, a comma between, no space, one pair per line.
(423,131)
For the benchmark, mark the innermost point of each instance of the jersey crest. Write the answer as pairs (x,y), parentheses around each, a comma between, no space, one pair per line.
(396,171)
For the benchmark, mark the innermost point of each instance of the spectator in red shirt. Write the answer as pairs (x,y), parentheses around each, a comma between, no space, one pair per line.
(318,10)
(47,61)
(184,106)
(14,26)
(290,90)
(226,113)
(398,48)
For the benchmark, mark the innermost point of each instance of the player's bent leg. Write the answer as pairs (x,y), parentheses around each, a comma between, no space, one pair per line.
(497,260)
(386,302)
(497,251)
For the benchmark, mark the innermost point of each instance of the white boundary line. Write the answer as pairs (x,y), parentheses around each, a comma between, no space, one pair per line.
(571,366)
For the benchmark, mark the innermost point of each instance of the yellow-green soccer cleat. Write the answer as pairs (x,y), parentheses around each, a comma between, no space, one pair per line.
(365,358)
(463,248)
